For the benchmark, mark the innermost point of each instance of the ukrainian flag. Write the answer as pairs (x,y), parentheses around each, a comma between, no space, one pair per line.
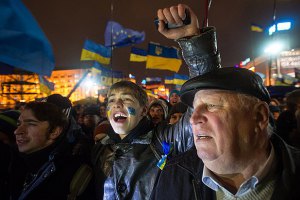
(256,28)
(97,52)
(138,55)
(45,85)
(169,80)
(109,77)
(163,58)
(180,79)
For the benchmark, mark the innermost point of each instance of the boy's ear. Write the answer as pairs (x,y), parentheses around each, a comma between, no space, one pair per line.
(145,110)
(56,133)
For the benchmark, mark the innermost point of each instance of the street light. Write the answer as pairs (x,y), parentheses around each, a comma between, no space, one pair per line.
(274,48)
(280,26)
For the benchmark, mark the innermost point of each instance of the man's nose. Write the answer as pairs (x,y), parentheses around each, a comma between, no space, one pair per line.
(198,115)
(20,130)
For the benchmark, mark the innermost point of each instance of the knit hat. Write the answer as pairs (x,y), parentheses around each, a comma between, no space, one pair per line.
(8,121)
(174,91)
(60,101)
(239,80)
(162,104)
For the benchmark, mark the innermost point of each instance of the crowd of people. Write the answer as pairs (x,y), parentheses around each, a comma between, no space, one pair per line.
(220,137)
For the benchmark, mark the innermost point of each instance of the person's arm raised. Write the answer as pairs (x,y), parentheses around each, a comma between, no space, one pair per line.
(199,46)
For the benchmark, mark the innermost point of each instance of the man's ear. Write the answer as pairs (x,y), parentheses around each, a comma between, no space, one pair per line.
(56,133)
(261,115)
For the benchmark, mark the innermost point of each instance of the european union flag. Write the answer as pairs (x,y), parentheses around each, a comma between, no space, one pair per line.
(23,43)
(97,52)
(163,58)
(118,36)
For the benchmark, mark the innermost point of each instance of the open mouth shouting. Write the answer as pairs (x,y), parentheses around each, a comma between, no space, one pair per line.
(119,117)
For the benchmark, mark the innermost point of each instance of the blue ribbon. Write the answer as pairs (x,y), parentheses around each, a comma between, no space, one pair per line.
(167,148)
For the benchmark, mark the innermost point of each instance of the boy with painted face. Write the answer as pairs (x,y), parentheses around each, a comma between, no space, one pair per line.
(126,107)
(127,162)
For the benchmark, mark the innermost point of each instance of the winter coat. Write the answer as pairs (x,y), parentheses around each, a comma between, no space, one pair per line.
(49,173)
(182,176)
(126,169)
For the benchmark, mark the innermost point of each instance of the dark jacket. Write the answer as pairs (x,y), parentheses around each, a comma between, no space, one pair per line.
(182,176)
(286,128)
(126,169)
(48,174)
(81,145)
(10,183)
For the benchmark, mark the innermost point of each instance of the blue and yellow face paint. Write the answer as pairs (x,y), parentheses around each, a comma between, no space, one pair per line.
(131,111)
(108,111)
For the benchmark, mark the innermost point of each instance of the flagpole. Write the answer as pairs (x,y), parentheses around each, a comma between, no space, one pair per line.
(78,83)
(111,40)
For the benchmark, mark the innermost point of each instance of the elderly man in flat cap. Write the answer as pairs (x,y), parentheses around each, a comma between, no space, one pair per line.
(236,154)
(241,157)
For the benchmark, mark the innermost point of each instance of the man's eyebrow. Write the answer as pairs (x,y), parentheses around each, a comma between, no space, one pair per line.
(30,120)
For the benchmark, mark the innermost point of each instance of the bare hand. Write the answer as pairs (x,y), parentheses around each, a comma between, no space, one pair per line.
(175,15)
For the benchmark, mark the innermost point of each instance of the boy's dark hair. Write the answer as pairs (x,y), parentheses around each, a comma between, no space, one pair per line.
(49,112)
(138,92)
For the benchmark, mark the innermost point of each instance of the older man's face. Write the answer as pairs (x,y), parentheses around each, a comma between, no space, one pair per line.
(222,130)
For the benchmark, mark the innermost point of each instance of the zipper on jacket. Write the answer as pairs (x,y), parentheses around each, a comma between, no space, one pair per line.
(195,189)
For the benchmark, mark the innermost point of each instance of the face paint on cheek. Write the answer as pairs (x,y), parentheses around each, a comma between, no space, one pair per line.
(131,111)
(108,112)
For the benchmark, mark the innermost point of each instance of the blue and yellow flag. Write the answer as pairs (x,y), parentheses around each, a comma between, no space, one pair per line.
(138,55)
(153,80)
(45,85)
(117,36)
(163,58)
(180,79)
(23,44)
(107,76)
(256,28)
(97,52)
(169,80)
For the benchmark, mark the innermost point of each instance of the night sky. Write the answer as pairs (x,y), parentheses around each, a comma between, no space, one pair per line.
(67,23)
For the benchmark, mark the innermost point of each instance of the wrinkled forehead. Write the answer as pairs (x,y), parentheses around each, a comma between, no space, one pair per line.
(214,94)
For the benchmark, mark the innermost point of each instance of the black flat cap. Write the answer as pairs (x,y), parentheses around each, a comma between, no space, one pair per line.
(228,78)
